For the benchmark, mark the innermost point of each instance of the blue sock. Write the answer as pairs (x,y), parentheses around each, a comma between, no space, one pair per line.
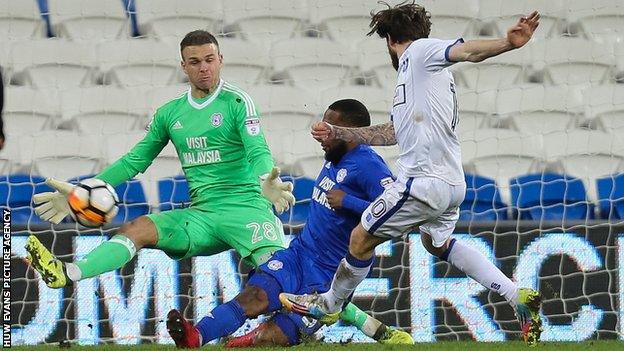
(222,321)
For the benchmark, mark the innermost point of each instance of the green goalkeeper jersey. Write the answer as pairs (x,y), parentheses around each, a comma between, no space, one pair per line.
(219,143)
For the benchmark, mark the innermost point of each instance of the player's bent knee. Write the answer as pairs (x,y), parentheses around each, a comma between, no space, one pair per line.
(253,300)
(362,244)
(141,231)
(428,245)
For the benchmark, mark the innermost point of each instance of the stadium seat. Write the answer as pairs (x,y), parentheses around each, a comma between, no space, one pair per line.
(374,62)
(173,193)
(16,192)
(308,165)
(482,201)
(539,109)
(137,62)
(611,196)
(312,64)
(89,19)
(286,112)
(104,110)
(572,61)
(619,62)
(61,154)
(265,21)
(132,200)
(53,63)
(475,111)
(27,110)
(550,196)
(501,154)
(10,159)
(346,21)
(171,20)
(244,62)
(494,73)
(298,214)
(599,20)
(20,20)
(500,15)
(377,101)
(159,96)
(586,155)
(605,105)
(452,19)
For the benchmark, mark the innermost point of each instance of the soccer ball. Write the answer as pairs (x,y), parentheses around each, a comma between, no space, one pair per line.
(93,203)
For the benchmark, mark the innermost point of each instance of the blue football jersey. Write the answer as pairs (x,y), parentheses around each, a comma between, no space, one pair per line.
(361,173)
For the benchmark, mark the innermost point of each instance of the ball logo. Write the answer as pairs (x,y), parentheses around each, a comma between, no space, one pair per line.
(216,119)
(342,174)
(275,265)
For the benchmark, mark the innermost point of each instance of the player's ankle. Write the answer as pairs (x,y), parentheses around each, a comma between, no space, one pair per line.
(333,304)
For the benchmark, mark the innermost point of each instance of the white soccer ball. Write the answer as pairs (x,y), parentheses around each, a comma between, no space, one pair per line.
(93,203)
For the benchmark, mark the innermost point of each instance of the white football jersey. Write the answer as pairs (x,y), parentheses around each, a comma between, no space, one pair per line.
(424,113)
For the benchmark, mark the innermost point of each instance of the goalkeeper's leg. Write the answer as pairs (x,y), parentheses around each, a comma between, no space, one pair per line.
(374,328)
(108,256)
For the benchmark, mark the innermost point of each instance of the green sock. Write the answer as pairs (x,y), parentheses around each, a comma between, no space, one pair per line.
(367,324)
(108,256)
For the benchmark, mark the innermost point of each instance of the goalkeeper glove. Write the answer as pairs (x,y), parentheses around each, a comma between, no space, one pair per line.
(53,206)
(276,191)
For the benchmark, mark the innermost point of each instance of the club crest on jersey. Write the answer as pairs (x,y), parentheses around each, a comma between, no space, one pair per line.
(253,126)
(216,119)
(341,175)
(275,265)
(404,65)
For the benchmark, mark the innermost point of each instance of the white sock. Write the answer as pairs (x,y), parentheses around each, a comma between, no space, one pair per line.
(479,268)
(73,272)
(346,279)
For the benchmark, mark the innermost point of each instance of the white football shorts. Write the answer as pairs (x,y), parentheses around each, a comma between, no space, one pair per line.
(427,204)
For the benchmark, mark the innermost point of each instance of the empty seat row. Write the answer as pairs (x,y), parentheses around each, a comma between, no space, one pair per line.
(309,63)
(268,20)
(543,196)
(539,196)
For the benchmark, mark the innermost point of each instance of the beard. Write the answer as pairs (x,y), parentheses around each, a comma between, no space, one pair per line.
(336,152)
(395,59)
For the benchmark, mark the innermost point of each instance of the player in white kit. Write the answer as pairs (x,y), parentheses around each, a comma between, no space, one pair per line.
(430,183)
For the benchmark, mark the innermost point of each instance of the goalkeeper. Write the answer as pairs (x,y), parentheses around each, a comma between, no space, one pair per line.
(215,129)
(216,132)
(352,177)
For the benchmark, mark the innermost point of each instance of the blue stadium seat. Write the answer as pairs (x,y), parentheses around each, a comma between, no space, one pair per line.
(298,214)
(483,201)
(173,193)
(132,199)
(611,196)
(550,196)
(16,192)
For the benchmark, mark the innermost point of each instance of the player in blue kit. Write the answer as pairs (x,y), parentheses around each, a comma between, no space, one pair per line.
(352,177)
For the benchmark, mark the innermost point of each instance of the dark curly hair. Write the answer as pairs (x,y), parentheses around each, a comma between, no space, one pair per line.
(403,22)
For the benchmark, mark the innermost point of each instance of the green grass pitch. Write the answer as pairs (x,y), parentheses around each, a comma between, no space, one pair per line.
(610,345)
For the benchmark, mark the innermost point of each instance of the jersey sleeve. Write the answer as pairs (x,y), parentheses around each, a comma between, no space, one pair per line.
(372,181)
(375,178)
(141,155)
(434,53)
(252,136)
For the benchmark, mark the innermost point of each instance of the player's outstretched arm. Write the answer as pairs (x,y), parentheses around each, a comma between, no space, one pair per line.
(377,135)
(479,50)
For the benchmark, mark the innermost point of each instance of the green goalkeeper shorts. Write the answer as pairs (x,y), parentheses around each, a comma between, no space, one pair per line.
(249,228)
